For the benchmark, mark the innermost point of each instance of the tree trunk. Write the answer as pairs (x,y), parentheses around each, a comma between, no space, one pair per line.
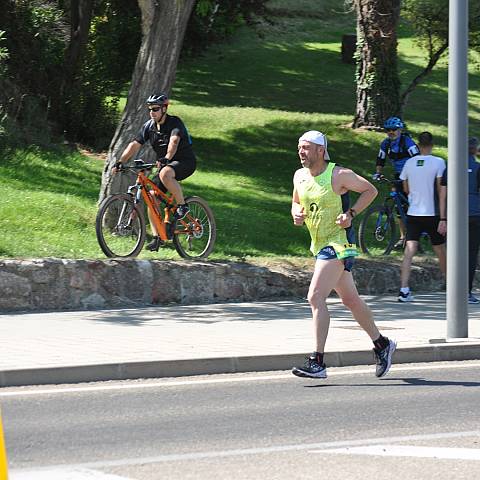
(163,28)
(80,20)
(378,85)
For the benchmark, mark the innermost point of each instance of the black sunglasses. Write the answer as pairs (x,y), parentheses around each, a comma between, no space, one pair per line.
(155,109)
(391,129)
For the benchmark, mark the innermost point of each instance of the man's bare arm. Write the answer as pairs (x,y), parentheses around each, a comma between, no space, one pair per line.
(173,144)
(347,180)
(350,181)
(298,212)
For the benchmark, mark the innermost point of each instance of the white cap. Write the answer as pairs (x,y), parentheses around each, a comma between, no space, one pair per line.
(314,136)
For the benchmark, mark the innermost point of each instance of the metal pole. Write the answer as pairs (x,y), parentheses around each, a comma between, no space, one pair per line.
(457,209)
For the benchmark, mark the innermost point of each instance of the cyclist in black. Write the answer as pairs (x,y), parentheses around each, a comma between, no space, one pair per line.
(172,143)
(398,147)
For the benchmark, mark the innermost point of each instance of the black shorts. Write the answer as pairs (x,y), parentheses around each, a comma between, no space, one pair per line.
(417,225)
(183,169)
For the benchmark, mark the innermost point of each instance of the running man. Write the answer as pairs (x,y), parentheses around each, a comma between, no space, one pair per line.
(321,201)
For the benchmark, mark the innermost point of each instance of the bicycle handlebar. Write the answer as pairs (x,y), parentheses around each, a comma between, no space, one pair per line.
(383,178)
(139,165)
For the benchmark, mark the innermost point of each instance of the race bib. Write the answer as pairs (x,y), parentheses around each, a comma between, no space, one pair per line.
(345,250)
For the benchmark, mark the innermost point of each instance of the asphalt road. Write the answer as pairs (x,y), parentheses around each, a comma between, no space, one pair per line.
(421,421)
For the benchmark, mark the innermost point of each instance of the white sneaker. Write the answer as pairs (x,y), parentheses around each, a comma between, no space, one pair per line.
(405,297)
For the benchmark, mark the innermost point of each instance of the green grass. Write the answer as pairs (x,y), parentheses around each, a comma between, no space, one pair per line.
(245,103)
(48,203)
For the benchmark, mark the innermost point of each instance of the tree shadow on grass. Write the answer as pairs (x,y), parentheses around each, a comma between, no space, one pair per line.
(54,170)
(268,154)
(302,76)
(297,78)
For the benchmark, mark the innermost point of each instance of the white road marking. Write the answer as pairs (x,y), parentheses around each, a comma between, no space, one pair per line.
(261,450)
(409,451)
(62,474)
(231,378)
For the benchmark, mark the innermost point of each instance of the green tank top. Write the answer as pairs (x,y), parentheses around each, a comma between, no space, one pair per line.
(323,206)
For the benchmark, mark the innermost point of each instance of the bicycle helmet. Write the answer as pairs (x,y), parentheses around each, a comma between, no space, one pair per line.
(157,99)
(393,123)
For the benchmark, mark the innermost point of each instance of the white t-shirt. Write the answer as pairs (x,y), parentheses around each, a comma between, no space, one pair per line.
(421,173)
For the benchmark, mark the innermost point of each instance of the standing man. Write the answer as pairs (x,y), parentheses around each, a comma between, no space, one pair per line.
(421,177)
(398,147)
(321,201)
(473,213)
(172,143)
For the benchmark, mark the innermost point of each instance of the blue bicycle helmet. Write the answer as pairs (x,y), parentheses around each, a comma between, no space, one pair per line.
(393,123)
(157,99)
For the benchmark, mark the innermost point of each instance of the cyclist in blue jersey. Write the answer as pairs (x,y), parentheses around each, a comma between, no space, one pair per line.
(398,147)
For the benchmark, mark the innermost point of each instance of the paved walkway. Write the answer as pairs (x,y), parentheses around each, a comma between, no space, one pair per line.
(176,340)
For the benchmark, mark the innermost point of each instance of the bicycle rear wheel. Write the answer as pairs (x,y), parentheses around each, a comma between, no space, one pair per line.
(377,231)
(120,226)
(195,234)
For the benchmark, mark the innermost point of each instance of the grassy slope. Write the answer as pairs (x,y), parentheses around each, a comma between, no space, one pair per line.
(245,103)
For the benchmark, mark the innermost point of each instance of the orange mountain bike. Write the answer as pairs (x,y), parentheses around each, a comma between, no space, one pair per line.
(121,227)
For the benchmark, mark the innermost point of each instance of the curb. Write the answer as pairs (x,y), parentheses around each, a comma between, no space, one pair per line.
(209,366)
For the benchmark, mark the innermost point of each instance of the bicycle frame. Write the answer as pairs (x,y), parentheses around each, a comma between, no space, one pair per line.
(398,200)
(142,191)
(391,202)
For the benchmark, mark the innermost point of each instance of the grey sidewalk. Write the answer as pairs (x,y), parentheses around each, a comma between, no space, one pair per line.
(63,347)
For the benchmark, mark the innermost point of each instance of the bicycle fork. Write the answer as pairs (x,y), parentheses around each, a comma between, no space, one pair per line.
(381,225)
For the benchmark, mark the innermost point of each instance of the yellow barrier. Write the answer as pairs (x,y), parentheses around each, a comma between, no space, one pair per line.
(3,455)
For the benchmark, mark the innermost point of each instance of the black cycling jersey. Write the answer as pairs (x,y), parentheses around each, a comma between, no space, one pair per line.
(159,138)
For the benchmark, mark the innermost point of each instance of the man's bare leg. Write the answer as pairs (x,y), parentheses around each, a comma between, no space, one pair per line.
(441,253)
(325,277)
(361,312)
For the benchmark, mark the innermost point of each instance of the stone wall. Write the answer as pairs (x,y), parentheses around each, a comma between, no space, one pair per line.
(59,284)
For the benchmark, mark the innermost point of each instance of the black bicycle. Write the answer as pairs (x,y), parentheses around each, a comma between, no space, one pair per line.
(377,233)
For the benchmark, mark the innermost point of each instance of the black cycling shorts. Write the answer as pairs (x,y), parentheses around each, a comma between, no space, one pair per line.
(417,225)
(182,169)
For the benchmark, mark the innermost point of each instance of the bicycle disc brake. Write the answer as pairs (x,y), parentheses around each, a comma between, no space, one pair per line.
(379,234)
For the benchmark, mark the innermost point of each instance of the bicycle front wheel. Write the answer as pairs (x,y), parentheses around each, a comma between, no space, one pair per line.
(376,234)
(195,234)
(120,226)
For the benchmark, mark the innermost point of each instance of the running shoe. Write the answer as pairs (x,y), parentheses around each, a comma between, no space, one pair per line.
(405,297)
(383,358)
(311,369)
(472,300)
